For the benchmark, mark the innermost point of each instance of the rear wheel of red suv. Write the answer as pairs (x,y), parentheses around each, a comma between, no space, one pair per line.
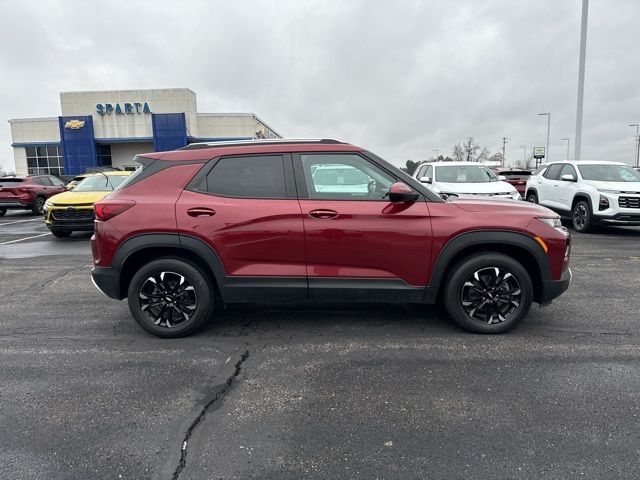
(488,293)
(170,297)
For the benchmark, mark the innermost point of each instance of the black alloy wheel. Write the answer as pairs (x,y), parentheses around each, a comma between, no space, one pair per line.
(532,198)
(168,299)
(491,295)
(171,297)
(488,292)
(581,217)
(38,206)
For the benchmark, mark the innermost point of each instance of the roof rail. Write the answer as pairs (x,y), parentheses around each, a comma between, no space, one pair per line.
(257,141)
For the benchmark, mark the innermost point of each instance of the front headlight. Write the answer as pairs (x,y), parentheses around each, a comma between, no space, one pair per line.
(551,221)
(554,222)
(608,191)
(604,203)
(47,205)
(515,195)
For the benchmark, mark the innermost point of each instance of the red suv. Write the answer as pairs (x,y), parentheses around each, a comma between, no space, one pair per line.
(315,221)
(28,193)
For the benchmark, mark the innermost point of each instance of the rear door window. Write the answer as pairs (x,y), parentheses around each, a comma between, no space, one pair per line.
(553,172)
(248,177)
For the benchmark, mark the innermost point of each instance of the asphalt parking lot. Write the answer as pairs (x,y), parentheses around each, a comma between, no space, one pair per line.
(334,391)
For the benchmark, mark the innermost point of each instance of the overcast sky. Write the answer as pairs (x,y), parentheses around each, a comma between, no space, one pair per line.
(400,78)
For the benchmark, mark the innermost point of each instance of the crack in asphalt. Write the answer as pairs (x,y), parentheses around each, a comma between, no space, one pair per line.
(218,395)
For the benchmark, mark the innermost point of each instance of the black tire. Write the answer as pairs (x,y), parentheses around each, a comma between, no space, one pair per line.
(196,290)
(532,197)
(494,311)
(582,217)
(60,232)
(38,206)
(3,211)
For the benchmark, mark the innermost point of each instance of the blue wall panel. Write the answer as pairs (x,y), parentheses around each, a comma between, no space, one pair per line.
(169,131)
(78,144)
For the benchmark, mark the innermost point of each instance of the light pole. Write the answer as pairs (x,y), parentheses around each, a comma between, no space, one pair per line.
(504,143)
(637,143)
(583,54)
(546,152)
(568,142)
(524,156)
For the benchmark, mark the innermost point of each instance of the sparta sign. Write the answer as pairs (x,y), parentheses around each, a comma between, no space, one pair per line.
(538,152)
(126,108)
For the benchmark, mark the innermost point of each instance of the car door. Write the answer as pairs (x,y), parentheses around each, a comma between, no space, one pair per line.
(245,208)
(58,185)
(45,186)
(546,184)
(360,246)
(566,190)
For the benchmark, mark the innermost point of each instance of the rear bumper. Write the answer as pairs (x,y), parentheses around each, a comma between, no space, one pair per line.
(554,288)
(107,280)
(15,204)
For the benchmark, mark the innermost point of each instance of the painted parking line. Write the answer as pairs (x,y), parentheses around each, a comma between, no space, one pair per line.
(26,238)
(21,221)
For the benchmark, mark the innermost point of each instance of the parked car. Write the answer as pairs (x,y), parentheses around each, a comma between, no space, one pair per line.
(75,181)
(250,222)
(28,193)
(73,210)
(516,177)
(464,178)
(589,192)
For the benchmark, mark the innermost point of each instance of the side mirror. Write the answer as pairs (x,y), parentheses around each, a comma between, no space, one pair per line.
(502,177)
(401,193)
(567,177)
(425,179)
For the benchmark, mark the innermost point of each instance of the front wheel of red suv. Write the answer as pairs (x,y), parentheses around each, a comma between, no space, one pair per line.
(170,298)
(488,293)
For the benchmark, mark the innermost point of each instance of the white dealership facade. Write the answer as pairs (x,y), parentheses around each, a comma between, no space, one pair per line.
(108,128)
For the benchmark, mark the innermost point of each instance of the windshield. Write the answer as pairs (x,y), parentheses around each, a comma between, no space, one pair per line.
(609,173)
(100,183)
(464,174)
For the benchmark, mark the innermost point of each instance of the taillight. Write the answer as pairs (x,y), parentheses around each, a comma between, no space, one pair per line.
(111,208)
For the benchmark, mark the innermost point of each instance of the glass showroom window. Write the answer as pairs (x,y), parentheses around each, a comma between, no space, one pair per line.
(45,159)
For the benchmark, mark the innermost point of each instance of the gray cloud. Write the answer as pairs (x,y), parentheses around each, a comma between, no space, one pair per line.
(401,78)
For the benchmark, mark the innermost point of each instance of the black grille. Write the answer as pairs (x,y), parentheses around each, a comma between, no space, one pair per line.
(73,214)
(629,202)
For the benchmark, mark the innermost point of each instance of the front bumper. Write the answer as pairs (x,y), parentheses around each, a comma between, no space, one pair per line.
(554,288)
(70,218)
(107,280)
(621,218)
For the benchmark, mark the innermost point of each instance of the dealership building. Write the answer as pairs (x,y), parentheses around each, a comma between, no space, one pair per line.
(108,128)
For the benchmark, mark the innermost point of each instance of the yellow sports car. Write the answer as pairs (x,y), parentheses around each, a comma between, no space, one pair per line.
(73,210)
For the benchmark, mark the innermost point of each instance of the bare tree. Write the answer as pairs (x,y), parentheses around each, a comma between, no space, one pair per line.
(470,151)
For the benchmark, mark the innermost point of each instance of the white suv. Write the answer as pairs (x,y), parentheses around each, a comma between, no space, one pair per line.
(464,178)
(588,192)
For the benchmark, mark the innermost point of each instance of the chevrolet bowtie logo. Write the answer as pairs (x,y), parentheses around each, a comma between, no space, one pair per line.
(74,124)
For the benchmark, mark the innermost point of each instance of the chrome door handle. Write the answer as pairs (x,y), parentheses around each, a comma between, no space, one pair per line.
(201,212)
(323,214)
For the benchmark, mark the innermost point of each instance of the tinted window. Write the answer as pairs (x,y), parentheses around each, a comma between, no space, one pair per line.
(249,177)
(429,172)
(344,177)
(553,172)
(569,170)
(515,175)
(57,182)
(46,181)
